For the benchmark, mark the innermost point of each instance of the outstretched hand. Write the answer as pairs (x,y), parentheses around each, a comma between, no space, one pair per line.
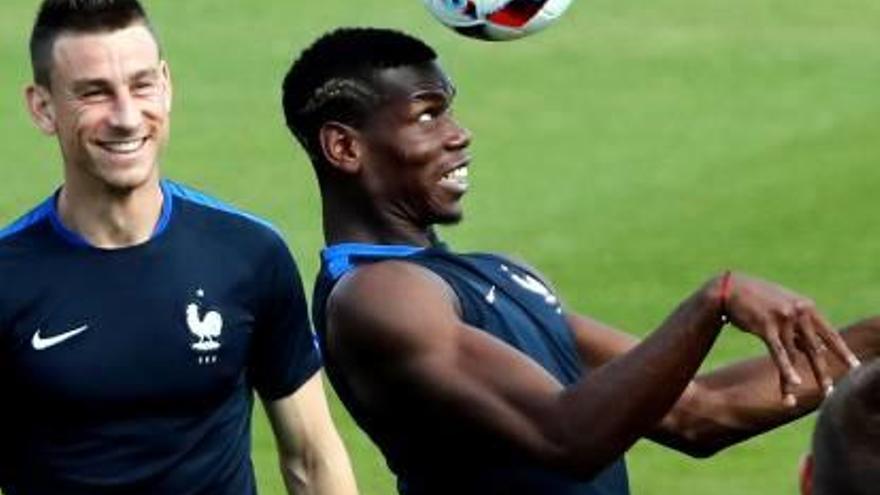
(789,324)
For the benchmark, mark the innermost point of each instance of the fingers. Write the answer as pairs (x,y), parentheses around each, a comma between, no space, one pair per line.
(791,327)
(789,379)
(788,337)
(814,338)
(815,351)
(835,342)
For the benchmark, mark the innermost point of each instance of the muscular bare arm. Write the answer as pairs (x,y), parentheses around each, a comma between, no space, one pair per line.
(395,332)
(733,403)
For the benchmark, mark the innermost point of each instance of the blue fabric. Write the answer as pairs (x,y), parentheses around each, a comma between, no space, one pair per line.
(33,217)
(48,209)
(340,258)
(505,300)
(154,394)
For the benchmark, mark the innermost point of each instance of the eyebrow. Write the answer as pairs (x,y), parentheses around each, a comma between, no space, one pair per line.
(144,73)
(81,84)
(445,94)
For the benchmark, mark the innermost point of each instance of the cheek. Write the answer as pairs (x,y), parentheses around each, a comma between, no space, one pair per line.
(419,153)
(156,106)
(77,123)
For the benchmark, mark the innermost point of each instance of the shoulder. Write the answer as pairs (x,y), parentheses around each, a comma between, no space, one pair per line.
(27,222)
(25,243)
(218,218)
(387,282)
(391,298)
(215,208)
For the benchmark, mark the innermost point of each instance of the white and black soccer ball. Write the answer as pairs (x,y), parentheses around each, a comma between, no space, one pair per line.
(497,20)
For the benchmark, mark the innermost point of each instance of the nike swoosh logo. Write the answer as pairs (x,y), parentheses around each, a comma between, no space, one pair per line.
(490,296)
(40,343)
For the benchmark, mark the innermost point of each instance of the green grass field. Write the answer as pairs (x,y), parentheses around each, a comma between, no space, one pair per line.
(629,152)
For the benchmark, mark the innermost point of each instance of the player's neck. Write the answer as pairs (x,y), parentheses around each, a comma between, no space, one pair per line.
(344,222)
(336,232)
(110,219)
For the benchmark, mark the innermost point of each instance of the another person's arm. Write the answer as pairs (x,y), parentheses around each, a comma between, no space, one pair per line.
(396,332)
(312,457)
(285,369)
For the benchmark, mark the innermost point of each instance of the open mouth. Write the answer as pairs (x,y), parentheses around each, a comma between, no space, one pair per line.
(123,146)
(456,179)
(459,174)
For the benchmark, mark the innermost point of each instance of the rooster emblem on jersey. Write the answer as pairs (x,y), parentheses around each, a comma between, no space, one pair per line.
(206,328)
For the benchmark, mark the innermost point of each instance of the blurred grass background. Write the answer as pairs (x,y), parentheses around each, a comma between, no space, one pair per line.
(630,152)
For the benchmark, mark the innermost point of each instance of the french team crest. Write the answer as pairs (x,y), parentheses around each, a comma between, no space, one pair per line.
(206,327)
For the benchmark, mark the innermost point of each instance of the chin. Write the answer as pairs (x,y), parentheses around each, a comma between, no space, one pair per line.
(127,181)
(448,218)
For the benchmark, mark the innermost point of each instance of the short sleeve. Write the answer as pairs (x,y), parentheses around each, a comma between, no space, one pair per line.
(284,353)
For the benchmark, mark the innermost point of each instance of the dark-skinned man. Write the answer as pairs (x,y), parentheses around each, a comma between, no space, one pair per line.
(467,370)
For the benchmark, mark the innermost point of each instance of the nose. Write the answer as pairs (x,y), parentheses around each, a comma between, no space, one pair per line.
(460,136)
(125,115)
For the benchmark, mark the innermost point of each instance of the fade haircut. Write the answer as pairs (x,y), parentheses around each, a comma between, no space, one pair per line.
(333,79)
(846,443)
(57,17)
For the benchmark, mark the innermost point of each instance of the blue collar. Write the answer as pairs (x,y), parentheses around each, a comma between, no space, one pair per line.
(78,240)
(340,258)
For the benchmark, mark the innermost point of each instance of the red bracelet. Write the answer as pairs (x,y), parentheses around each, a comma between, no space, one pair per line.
(726,289)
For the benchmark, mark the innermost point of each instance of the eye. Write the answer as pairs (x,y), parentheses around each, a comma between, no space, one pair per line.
(144,88)
(426,116)
(93,94)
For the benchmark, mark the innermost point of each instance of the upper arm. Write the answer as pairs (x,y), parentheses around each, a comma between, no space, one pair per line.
(283,353)
(394,329)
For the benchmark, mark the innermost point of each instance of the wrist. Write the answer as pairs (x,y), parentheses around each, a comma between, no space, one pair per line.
(718,291)
(725,291)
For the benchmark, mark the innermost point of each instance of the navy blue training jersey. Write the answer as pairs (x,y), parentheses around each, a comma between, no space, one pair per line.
(130,371)
(506,301)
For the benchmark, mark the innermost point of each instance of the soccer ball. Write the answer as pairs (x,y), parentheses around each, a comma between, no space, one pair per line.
(497,20)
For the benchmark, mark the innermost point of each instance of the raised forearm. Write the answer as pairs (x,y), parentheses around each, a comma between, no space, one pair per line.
(616,404)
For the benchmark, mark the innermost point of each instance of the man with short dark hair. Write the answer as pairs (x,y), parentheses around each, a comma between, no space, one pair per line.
(845,458)
(137,316)
(467,370)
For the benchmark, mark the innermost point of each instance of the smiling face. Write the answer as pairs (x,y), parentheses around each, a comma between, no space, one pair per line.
(416,161)
(109,105)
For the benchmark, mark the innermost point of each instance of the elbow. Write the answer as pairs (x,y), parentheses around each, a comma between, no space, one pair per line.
(699,442)
(700,450)
(581,468)
(583,458)
(695,427)
(294,471)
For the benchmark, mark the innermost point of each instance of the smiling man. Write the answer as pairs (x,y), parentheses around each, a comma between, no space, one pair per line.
(469,373)
(138,316)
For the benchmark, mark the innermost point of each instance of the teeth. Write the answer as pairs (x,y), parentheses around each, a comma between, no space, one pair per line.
(123,146)
(457,174)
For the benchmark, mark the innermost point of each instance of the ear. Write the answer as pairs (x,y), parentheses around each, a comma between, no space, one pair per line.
(341,146)
(165,74)
(41,108)
(807,475)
